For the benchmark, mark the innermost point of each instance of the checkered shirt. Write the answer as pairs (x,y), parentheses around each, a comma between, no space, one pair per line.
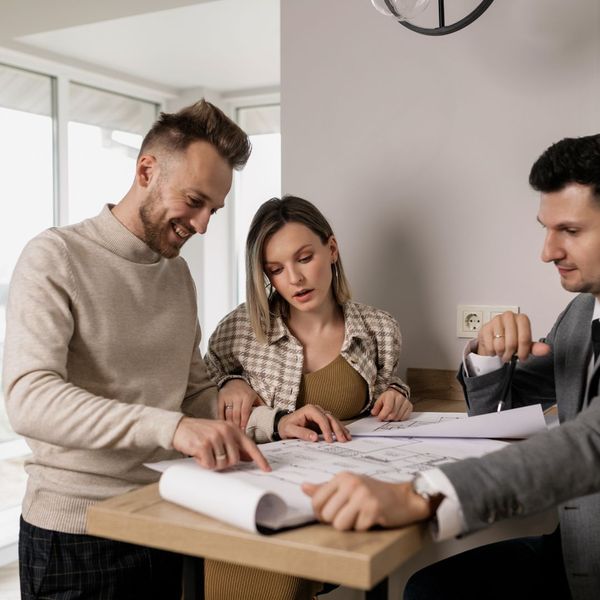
(372,343)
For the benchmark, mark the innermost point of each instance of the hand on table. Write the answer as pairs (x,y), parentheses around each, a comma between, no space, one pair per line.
(216,444)
(235,402)
(509,334)
(350,501)
(305,422)
(392,405)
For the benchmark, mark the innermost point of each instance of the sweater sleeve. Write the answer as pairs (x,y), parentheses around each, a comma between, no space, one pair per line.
(261,423)
(201,395)
(41,402)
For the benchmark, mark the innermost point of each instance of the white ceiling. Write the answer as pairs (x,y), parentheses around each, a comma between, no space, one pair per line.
(224,45)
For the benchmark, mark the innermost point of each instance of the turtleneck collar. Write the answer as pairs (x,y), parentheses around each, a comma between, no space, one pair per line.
(114,236)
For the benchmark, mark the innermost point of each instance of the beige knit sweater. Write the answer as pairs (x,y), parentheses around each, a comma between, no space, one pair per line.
(101,361)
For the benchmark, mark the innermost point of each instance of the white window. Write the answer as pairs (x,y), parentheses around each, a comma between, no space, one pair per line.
(105,134)
(259,181)
(27,192)
(105,131)
(27,182)
(101,132)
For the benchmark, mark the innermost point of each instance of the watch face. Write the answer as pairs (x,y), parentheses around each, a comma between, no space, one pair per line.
(430,493)
(422,487)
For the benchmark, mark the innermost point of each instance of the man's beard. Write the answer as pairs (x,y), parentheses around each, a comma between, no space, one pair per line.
(153,229)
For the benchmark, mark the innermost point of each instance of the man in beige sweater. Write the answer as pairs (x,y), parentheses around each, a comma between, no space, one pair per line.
(102,370)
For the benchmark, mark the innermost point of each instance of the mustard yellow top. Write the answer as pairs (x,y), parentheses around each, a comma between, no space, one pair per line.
(337,388)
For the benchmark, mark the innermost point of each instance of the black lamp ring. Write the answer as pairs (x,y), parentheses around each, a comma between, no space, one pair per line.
(443,29)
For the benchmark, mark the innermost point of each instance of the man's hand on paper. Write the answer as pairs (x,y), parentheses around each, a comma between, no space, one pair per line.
(392,405)
(509,334)
(350,501)
(216,444)
(235,402)
(305,422)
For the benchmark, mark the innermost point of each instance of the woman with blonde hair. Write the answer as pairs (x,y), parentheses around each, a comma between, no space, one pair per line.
(299,356)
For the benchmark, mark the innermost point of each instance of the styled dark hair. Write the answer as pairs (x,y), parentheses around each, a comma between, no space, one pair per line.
(268,220)
(174,132)
(572,160)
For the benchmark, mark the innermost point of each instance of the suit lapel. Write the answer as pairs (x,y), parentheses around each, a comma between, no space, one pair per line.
(578,339)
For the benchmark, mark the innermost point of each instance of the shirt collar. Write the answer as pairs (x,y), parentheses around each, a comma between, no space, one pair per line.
(278,330)
(354,324)
(596,314)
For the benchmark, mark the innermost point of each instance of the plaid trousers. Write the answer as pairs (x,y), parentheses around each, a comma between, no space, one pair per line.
(65,566)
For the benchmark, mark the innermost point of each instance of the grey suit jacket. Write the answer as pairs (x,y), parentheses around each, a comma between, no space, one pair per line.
(560,467)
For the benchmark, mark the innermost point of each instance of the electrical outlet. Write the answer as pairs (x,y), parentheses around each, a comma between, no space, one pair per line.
(471,317)
(472,320)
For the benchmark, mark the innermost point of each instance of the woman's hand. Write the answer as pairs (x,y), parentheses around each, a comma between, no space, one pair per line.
(392,405)
(235,402)
(305,422)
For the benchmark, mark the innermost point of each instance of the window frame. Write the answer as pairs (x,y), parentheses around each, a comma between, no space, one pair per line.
(237,102)
(219,258)
(237,247)
(61,75)
(207,248)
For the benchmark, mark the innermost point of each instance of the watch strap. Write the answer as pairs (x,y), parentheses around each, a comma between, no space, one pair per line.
(278,416)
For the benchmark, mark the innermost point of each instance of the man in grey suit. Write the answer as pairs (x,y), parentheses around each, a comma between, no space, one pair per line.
(560,467)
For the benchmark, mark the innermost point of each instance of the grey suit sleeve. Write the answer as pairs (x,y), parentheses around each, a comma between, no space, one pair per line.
(532,475)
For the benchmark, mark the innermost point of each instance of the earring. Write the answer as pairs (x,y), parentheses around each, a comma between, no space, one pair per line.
(269,289)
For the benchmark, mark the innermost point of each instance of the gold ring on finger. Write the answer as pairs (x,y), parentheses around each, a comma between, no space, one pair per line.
(498,336)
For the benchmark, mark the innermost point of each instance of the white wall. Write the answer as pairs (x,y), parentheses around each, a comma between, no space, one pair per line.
(418,149)
(22,17)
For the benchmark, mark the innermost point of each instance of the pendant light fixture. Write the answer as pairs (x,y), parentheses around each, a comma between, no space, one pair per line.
(406,10)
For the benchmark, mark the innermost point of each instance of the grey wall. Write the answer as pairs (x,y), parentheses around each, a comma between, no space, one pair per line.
(418,149)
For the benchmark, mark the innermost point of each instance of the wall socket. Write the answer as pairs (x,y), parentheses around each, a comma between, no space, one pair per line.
(471,317)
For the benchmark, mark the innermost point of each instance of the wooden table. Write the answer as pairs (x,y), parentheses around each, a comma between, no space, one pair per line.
(318,552)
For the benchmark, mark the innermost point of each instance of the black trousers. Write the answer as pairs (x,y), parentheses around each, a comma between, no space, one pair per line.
(520,569)
(64,566)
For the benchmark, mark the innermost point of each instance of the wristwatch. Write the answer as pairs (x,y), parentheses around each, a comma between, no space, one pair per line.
(423,488)
(278,416)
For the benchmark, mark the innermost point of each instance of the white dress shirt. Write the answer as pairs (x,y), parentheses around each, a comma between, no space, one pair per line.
(449,521)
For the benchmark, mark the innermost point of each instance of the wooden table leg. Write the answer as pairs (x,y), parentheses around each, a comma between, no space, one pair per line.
(379,592)
(193,578)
